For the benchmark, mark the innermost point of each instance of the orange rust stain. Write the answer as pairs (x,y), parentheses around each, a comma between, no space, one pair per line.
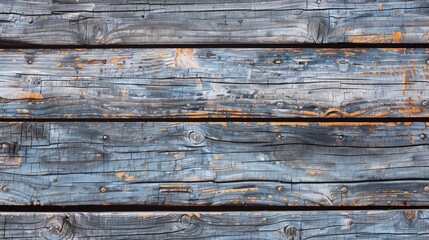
(370,38)
(398,50)
(407,124)
(125,176)
(238,190)
(380,6)
(184,58)
(79,65)
(58,64)
(117,59)
(396,37)
(312,173)
(347,124)
(31,96)
(404,81)
(289,123)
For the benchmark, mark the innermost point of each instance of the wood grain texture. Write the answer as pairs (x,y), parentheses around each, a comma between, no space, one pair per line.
(214,83)
(407,224)
(294,164)
(95,22)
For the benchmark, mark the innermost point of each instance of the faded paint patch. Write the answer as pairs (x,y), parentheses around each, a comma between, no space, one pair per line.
(125,176)
(30,96)
(380,6)
(184,58)
(396,37)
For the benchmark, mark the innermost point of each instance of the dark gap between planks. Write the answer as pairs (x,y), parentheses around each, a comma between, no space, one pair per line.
(202,120)
(228,208)
(7,45)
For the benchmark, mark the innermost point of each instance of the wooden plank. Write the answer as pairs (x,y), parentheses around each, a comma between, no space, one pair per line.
(220,163)
(95,22)
(214,83)
(392,224)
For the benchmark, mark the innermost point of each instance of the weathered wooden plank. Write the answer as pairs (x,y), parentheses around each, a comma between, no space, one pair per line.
(296,164)
(94,22)
(405,224)
(212,83)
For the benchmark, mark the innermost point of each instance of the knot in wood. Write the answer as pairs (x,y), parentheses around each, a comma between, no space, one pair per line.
(290,232)
(57,228)
(196,137)
(103,189)
(410,217)
(5,188)
(426,188)
(186,220)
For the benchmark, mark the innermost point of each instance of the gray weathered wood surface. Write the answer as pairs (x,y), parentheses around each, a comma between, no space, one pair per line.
(218,163)
(95,22)
(406,224)
(210,83)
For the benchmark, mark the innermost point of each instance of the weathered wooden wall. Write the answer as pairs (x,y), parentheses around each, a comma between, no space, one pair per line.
(407,224)
(214,83)
(217,163)
(183,105)
(97,22)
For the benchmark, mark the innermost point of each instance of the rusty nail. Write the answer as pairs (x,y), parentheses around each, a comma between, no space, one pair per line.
(280,104)
(105,137)
(426,188)
(103,189)
(30,61)
(5,188)
(341,137)
(280,188)
(277,61)
(30,21)
(344,189)
(422,136)
(104,61)
(279,136)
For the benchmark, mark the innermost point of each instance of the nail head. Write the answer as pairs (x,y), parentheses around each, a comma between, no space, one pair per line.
(344,189)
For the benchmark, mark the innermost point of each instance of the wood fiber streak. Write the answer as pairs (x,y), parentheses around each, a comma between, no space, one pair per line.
(406,224)
(214,83)
(97,22)
(284,164)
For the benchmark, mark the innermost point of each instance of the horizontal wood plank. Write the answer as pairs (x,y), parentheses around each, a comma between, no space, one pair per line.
(218,163)
(406,224)
(99,22)
(214,83)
